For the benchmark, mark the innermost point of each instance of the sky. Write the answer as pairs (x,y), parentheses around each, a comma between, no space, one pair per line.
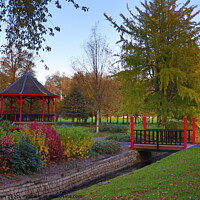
(76,28)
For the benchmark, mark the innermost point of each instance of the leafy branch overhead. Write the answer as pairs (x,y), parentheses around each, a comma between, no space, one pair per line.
(25,22)
(161,53)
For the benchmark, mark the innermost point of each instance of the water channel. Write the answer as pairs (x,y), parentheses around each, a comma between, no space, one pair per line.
(146,161)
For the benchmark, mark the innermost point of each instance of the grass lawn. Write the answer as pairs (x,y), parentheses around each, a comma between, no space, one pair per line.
(174,177)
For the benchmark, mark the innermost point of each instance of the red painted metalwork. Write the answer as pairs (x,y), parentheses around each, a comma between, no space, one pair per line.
(43,102)
(19,92)
(20,109)
(31,110)
(2,106)
(194,130)
(185,132)
(11,105)
(132,131)
(48,107)
(30,95)
(145,128)
(15,117)
(54,108)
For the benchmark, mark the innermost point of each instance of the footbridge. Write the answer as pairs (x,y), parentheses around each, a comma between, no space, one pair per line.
(162,139)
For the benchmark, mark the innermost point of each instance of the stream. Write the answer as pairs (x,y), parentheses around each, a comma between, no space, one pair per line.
(105,179)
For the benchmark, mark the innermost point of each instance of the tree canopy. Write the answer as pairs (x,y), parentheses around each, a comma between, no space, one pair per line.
(161,54)
(74,105)
(13,64)
(24,22)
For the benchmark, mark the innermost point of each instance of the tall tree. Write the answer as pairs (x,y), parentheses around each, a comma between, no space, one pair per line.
(160,48)
(74,105)
(94,68)
(59,84)
(15,63)
(24,22)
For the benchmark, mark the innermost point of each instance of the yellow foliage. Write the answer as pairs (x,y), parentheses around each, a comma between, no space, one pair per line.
(76,143)
(37,139)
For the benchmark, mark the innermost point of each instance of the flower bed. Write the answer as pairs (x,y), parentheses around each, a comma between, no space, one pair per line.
(35,145)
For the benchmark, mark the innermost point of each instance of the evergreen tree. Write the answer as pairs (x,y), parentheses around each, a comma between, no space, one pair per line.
(160,49)
(74,105)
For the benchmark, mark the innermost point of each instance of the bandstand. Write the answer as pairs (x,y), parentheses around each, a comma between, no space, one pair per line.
(18,101)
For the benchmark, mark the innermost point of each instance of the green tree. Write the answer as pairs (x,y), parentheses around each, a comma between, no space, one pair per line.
(24,22)
(161,54)
(74,105)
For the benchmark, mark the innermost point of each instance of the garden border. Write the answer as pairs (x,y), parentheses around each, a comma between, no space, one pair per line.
(43,189)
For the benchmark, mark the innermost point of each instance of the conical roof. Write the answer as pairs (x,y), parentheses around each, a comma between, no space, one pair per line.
(27,85)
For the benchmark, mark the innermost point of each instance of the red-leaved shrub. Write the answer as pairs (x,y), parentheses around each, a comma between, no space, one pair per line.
(6,149)
(55,147)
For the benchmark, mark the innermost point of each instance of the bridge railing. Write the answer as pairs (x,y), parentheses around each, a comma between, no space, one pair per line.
(161,136)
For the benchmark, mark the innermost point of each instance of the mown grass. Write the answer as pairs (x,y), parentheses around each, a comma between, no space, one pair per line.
(104,120)
(175,177)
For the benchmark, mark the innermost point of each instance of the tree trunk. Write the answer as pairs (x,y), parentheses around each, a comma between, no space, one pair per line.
(97,121)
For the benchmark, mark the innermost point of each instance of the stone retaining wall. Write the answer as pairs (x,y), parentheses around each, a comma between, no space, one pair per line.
(41,189)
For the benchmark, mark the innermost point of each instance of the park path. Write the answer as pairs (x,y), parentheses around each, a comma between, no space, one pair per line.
(128,143)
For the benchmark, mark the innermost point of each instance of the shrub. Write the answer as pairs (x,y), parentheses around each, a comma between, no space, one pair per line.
(173,125)
(105,147)
(52,140)
(113,128)
(119,137)
(35,138)
(6,149)
(24,159)
(5,125)
(76,141)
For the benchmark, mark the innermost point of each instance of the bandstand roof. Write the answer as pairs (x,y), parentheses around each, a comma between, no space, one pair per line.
(27,85)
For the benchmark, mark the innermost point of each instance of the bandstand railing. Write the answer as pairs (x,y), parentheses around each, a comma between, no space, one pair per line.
(27,117)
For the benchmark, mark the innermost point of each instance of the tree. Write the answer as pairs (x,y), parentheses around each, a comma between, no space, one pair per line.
(111,101)
(162,58)
(25,22)
(93,70)
(15,63)
(59,84)
(74,106)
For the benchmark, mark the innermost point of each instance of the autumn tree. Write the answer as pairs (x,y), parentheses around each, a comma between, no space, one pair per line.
(60,85)
(14,63)
(111,102)
(160,49)
(93,68)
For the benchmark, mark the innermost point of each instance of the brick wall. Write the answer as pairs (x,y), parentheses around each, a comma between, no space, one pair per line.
(41,189)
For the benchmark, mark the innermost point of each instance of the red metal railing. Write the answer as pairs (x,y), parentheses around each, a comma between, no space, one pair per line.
(163,136)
